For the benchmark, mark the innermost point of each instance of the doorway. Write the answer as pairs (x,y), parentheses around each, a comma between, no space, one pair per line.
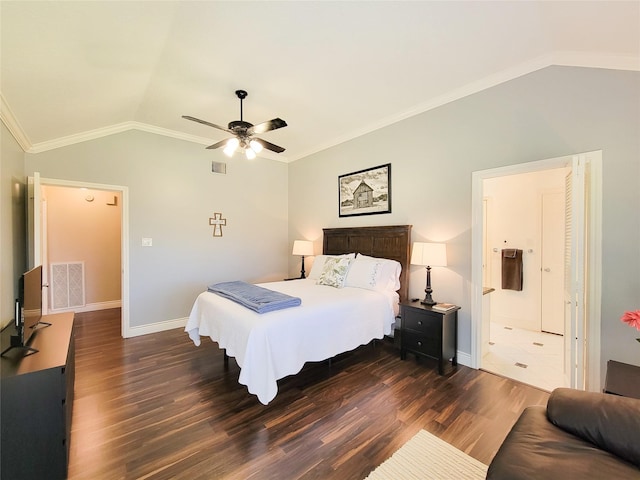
(525,212)
(110,198)
(582,360)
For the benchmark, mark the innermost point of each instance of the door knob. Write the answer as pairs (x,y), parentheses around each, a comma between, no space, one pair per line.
(547,269)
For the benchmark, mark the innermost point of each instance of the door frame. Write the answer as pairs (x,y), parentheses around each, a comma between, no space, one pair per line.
(124,235)
(594,256)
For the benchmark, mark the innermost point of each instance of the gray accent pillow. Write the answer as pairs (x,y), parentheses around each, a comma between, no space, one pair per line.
(608,421)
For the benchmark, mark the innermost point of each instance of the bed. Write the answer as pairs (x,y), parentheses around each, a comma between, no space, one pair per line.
(330,320)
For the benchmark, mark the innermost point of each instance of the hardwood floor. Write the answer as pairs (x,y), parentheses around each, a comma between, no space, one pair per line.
(157,407)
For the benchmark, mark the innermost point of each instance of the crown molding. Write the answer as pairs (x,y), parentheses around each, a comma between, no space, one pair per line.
(11,122)
(126,126)
(592,60)
(111,130)
(559,58)
(565,59)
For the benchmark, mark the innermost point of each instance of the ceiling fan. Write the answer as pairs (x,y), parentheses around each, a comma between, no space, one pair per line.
(245,132)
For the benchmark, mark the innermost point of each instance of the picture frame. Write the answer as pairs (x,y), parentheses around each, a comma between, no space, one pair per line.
(365,192)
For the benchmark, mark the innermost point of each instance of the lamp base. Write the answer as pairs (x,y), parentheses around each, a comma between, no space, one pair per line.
(428,300)
(302,272)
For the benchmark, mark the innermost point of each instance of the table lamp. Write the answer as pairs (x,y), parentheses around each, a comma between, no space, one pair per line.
(429,255)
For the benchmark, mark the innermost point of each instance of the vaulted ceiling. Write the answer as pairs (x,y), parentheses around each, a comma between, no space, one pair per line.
(73,71)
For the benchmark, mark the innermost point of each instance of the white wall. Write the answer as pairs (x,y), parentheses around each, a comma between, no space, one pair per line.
(12,223)
(172,195)
(515,217)
(550,113)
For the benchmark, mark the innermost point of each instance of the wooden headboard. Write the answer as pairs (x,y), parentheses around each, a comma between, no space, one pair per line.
(393,242)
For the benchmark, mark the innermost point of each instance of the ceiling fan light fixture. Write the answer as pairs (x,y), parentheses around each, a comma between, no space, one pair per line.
(243,133)
(231,147)
(255,146)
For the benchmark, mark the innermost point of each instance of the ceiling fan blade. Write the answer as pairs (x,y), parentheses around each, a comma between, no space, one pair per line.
(266,126)
(218,145)
(204,122)
(269,146)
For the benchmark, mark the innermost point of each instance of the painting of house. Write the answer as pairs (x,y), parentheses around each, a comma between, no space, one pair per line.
(363,196)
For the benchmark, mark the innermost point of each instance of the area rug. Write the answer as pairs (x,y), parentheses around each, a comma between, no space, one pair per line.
(427,457)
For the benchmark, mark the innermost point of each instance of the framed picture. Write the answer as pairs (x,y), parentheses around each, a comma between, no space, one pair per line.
(366,192)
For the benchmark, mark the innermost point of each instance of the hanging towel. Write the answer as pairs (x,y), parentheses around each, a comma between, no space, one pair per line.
(512,269)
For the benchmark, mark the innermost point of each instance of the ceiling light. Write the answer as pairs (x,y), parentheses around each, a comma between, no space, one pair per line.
(250,153)
(255,146)
(231,147)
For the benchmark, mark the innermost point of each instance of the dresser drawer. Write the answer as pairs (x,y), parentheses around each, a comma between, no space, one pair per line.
(419,343)
(419,322)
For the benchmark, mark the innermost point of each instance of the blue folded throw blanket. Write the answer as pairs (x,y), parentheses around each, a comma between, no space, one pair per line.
(258,299)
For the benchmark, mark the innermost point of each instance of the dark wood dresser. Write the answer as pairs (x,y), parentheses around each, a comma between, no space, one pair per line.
(37,402)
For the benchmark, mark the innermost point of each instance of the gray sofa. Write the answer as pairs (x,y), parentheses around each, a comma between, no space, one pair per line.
(581,435)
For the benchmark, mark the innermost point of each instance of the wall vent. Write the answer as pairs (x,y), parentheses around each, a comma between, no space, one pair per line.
(67,285)
(219,167)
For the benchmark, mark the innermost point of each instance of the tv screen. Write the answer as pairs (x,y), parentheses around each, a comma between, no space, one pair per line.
(31,301)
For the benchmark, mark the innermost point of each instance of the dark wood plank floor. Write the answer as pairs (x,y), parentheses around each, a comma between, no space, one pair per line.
(157,407)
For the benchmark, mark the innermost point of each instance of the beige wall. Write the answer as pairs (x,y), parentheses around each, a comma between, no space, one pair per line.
(554,112)
(12,223)
(172,193)
(87,231)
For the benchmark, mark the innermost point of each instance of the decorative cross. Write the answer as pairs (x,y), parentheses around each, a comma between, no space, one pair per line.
(218,222)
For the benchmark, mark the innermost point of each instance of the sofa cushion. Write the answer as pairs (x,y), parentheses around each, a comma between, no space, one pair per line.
(609,421)
(536,449)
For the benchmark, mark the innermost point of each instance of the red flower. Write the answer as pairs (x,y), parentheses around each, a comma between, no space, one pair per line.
(632,319)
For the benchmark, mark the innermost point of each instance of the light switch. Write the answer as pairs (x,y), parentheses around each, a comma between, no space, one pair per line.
(147,242)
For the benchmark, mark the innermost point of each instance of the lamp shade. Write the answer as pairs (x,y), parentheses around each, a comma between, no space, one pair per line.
(302,247)
(429,254)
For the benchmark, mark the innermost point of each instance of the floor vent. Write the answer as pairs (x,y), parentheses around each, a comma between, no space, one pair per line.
(67,285)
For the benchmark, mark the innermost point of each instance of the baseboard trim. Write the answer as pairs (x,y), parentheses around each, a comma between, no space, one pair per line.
(464,358)
(90,307)
(155,327)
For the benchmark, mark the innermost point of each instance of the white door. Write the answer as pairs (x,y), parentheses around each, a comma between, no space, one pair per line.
(34,221)
(552,262)
(36,234)
(574,339)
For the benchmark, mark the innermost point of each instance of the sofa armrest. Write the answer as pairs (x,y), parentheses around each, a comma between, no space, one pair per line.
(608,421)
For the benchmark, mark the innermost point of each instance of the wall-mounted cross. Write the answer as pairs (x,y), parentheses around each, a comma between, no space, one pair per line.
(218,222)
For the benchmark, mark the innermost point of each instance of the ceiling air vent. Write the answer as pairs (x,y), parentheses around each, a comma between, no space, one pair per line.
(219,167)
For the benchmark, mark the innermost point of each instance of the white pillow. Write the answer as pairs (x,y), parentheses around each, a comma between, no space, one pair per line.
(318,264)
(334,271)
(389,276)
(365,273)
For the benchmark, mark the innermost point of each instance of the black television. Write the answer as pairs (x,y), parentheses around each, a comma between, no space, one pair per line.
(28,310)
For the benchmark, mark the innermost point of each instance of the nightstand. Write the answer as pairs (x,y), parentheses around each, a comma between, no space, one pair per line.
(430,333)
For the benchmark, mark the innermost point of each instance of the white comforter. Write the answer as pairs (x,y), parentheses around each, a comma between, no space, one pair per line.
(273,345)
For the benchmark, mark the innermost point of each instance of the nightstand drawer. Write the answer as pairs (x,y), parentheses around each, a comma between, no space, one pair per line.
(423,344)
(419,322)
